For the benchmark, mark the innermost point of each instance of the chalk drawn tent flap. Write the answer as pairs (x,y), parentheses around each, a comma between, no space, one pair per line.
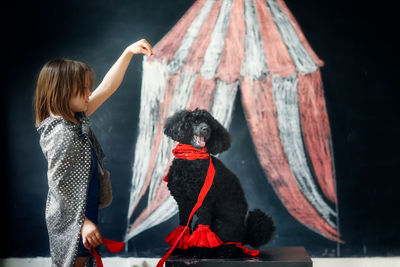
(217,47)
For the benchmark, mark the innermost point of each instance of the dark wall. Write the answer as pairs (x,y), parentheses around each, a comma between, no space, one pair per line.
(360,79)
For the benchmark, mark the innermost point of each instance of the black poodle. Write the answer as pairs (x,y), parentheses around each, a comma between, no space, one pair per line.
(222,218)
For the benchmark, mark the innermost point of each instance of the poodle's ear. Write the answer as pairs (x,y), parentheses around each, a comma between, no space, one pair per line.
(176,126)
(220,139)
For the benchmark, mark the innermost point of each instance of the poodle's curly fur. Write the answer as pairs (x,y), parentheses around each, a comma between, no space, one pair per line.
(225,207)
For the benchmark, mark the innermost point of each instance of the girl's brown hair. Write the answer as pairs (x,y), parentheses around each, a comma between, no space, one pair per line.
(58,80)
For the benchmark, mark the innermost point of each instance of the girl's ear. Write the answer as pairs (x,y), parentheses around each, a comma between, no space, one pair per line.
(176,127)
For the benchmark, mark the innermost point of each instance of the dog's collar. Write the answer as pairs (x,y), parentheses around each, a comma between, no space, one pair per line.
(184,151)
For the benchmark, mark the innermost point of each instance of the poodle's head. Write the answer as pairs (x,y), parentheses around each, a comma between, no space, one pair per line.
(199,129)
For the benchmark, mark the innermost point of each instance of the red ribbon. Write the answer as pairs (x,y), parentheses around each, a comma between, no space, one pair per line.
(204,237)
(245,250)
(184,151)
(113,246)
(183,244)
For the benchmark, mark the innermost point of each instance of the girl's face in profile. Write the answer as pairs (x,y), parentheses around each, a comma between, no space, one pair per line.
(79,102)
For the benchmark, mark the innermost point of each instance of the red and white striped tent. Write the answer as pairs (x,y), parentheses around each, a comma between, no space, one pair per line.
(217,47)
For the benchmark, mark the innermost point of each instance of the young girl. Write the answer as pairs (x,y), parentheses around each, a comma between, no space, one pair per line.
(63,101)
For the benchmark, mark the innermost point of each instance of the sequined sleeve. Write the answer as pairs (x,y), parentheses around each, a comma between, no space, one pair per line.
(67,174)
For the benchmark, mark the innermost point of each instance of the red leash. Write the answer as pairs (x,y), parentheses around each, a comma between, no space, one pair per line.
(113,246)
(190,153)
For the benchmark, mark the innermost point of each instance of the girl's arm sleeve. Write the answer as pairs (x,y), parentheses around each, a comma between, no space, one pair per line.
(68,173)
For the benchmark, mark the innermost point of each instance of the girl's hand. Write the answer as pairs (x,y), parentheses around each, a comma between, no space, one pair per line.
(90,234)
(141,47)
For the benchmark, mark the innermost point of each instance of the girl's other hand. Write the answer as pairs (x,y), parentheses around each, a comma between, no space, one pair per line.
(141,47)
(90,234)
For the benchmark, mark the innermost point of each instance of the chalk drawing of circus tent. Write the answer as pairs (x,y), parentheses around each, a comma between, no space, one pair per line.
(217,47)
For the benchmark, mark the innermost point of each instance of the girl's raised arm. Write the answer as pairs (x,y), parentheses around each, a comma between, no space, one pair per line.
(115,75)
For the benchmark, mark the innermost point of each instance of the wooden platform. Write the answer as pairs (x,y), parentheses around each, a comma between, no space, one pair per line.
(269,257)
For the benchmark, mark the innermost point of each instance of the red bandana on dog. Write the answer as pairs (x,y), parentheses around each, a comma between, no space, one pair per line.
(184,151)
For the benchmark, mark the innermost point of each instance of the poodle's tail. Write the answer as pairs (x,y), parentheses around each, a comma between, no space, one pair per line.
(259,228)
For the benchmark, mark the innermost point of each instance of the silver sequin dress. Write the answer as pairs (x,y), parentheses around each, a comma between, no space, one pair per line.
(67,150)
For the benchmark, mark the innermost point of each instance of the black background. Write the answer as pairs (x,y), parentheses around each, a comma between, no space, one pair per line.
(361,73)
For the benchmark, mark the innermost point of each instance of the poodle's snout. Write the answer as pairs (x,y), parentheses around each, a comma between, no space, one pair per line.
(203,129)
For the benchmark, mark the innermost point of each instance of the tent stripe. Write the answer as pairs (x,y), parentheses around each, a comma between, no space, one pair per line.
(233,52)
(285,99)
(192,33)
(224,101)
(299,54)
(214,49)
(203,94)
(279,61)
(299,32)
(199,46)
(316,131)
(255,62)
(166,48)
